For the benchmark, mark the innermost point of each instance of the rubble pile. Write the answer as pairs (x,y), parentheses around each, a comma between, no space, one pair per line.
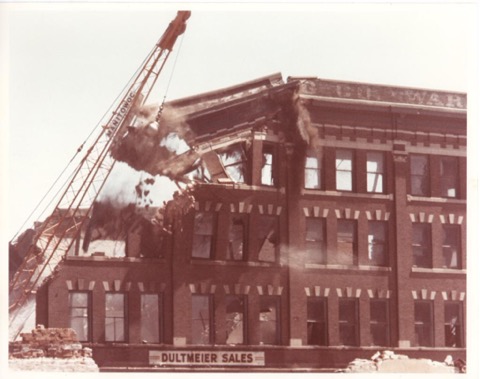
(388,361)
(50,349)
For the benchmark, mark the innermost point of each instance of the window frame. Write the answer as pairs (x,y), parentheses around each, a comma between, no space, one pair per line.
(318,170)
(354,242)
(276,299)
(160,316)
(454,177)
(125,318)
(316,249)
(459,306)
(349,172)
(244,318)
(323,324)
(346,323)
(385,325)
(269,149)
(211,235)
(211,319)
(424,177)
(261,240)
(88,317)
(243,218)
(371,244)
(380,174)
(424,246)
(243,162)
(458,237)
(420,323)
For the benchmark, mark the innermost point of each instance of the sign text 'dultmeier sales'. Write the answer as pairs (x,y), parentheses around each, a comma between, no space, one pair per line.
(207,358)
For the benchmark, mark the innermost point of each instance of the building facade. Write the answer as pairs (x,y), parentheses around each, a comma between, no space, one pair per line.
(327,221)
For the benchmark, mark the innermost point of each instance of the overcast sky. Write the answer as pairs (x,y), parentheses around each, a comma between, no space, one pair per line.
(67,63)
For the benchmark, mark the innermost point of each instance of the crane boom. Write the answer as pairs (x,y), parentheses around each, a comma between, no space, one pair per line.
(59,233)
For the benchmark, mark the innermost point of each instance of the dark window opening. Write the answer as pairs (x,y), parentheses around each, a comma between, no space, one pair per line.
(377,243)
(421,245)
(115,319)
(268,176)
(348,322)
(375,172)
(453,324)
(150,324)
(202,320)
(235,161)
(203,235)
(267,233)
(346,242)
(423,323)
(379,329)
(269,318)
(344,170)
(235,319)
(313,170)
(315,240)
(80,314)
(448,176)
(237,238)
(451,246)
(317,330)
(419,175)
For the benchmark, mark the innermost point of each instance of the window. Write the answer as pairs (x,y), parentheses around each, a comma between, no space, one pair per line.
(202,320)
(202,235)
(451,246)
(234,159)
(344,166)
(313,171)
(115,324)
(315,240)
(268,169)
(348,321)
(235,319)
(419,175)
(267,235)
(269,318)
(237,237)
(453,324)
(80,314)
(377,243)
(375,172)
(317,330)
(423,323)
(346,242)
(421,245)
(379,330)
(448,176)
(150,330)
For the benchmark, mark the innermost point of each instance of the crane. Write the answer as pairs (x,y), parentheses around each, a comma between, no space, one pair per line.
(57,235)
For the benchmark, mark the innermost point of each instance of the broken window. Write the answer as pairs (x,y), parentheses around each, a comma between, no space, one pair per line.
(453,324)
(269,318)
(235,319)
(419,175)
(377,243)
(348,322)
(421,245)
(268,173)
(344,167)
(451,246)
(115,317)
(234,160)
(202,235)
(346,242)
(448,176)
(267,233)
(202,321)
(315,240)
(79,311)
(423,323)
(317,331)
(150,318)
(237,237)
(313,172)
(379,330)
(375,172)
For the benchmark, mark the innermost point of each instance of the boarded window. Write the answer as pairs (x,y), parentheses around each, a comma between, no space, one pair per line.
(269,318)
(234,159)
(317,330)
(150,318)
(235,319)
(379,330)
(315,240)
(421,245)
(79,310)
(237,237)
(419,175)
(115,317)
(449,176)
(344,166)
(377,243)
(451,246)
(348,322)
(346,242)
(202,320)
(375,172)
(202,235)
(453,324)
(268,168)
(423,323)
(313,172)
(267,233)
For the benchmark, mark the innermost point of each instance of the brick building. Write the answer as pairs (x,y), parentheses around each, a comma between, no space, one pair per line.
(327,222)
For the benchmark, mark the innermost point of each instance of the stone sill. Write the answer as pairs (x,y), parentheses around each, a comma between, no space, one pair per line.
(113,259)
(449,200)
(347,267)
(370,196)
(234,263)
(439,270)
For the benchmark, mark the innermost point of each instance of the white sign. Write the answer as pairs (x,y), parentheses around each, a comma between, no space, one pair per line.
(207,358)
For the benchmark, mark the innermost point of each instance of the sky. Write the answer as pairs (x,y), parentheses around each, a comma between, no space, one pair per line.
(67,63)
